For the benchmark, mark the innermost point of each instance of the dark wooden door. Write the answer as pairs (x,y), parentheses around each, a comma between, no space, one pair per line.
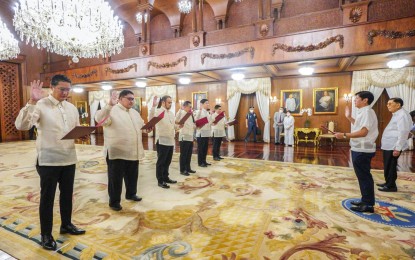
(383,114)
(243,109)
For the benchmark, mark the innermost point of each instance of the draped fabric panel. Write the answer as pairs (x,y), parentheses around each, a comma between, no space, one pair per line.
(249,86)
(263,104)
(233,104)
(407,95)
(95,98)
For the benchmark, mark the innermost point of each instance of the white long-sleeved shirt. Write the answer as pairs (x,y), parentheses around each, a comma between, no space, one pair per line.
(122,132)
(218,130)
(165,129)
(186,132)
(204,131)
(396,133)
(365,117)
(53,119)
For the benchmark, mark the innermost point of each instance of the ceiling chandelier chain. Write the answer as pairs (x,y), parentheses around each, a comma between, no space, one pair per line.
(9,46)
(77,28)
(185,6)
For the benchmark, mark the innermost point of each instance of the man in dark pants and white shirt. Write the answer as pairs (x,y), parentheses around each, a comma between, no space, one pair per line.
(203,133)
(363,147)
(165,132)
(186,138)
(56,161)
(394,141)
(218,133)
(123,146)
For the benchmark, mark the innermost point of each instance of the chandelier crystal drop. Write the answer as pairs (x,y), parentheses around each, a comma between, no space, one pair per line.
(9,46)
(185,6)
(77,28)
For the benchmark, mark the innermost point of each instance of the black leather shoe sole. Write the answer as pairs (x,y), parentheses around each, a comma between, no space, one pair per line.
(386,189)
(116,208)
(202,165)
(185,173)
(134,198)
(48,243)
(170,181)
(381,184)
(164,185)
(363,208)
(208,164)
(191,171)
(216,159)
(357,203)
(74,231)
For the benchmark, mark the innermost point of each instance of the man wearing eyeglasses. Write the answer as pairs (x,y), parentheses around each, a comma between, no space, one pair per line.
(123,146)
(54,117)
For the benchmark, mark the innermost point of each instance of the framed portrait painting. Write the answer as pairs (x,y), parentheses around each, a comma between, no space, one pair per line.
(137,104)
(325,100)
(196,97)
(82,107)
(292,100)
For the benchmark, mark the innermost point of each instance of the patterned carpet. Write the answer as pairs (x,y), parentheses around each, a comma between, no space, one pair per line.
(235,209)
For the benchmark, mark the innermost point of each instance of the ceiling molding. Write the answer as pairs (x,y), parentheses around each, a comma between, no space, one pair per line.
(272,69)
(345,63)
(212,75)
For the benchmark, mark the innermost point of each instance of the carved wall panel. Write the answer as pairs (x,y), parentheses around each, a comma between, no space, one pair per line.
(390,9)
(9,101)
(294,7)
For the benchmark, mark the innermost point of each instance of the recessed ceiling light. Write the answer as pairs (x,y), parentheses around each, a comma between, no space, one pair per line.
(184,80)
(141,83)
(306,70)
(78,90)
(238,76)
(397,64)
(106,87)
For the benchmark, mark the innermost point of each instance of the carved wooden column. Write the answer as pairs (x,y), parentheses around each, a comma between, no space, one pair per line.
(260,10)
(200,23)
(10,98)
(220,22)
(277,6)
(194,18)
(144,45)
(264,27)
(197,39)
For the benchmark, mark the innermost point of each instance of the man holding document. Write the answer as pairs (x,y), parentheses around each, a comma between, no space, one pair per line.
(203,132)
(123,146)
(54,117)
(218,131)
(186,122)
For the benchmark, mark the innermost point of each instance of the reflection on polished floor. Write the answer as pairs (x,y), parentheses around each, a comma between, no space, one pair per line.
(338,156)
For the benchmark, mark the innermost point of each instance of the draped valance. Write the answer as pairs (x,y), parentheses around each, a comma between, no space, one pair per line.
(98,96)
(159,91)
(384,78)
(249,86)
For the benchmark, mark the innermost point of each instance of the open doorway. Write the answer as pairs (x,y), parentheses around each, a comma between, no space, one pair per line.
(247,100)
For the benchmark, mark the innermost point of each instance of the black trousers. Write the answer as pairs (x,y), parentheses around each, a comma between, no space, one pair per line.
(202,149)
(186,148)
(251,129)
(119,170)
(390,164)
(50,176)
(217,141)
(164,156)
(361,164)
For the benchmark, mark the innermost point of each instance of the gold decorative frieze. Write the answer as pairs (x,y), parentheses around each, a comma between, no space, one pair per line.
(167,64)
(86,75)
(251,50)
(123,70)
(389,34)
(338,38)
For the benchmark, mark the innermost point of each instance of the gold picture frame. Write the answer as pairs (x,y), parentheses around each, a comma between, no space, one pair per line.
(82,107)
(295,100)
(325,101)
(196,97)
(137,104)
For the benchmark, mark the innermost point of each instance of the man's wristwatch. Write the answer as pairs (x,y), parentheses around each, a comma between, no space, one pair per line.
(344,136)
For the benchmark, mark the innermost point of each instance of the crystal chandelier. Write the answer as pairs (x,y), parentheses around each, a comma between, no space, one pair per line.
(140,17)
(185,6)
(9,47)
(77,28)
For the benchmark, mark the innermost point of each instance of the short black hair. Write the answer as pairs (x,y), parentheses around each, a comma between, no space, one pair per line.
(366,94)
(163,99)
(412,113)
(59,78)
(251,107)
(397,100)
(124,93)
(186,103)
(204,100)
(217,106)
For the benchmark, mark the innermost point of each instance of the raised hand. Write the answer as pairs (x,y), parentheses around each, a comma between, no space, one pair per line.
(114,98)
(36,91)
(347,112)
(155,99)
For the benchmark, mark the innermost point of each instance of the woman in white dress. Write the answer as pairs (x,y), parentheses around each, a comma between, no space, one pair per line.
(289,129)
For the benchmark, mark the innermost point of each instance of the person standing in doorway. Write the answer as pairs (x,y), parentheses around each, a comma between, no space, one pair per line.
(56,158)
(218,133)
(251,123)
(394,141)
(123,146)
(289,129)
(186,138)
(363,146)
(279,124)
(165,132)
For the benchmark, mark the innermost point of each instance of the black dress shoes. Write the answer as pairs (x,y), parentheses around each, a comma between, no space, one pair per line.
(387,189)
(48,242)
(71,229)
(134,198)
(208,164)
(116,207)
(363,208)
(185,173)
(381,184)
(221,158)
(164,185)
(216,159)
(356,203)
(170,181)
(202,165)
(191,171)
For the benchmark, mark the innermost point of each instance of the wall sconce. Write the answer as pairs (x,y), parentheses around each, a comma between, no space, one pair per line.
(348,97)
(273,99)
(218,101)
(181,101)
